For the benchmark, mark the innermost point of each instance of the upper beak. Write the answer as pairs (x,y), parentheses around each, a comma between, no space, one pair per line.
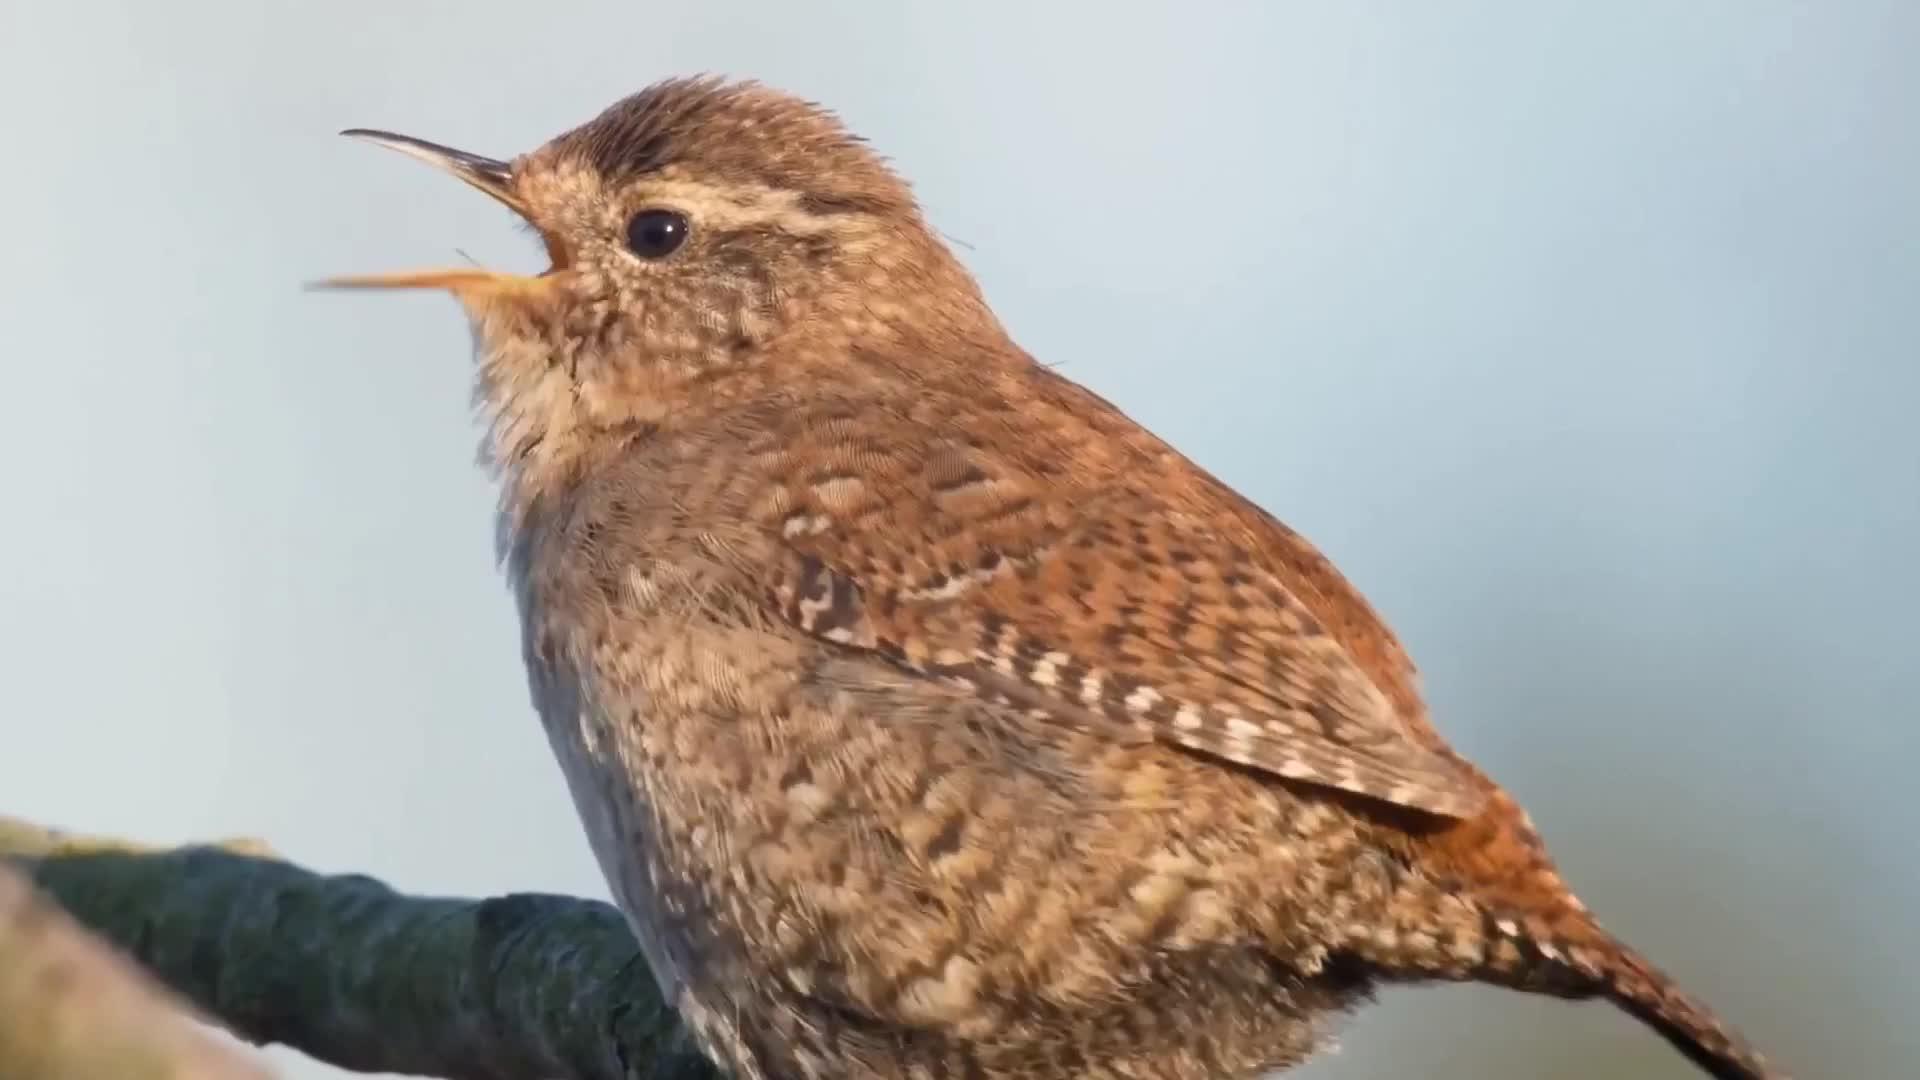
(495,178)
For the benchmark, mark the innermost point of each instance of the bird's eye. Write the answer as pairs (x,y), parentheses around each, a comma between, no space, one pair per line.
(656,234)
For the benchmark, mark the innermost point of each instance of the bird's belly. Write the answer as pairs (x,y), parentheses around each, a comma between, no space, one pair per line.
(613,815)
(807,844)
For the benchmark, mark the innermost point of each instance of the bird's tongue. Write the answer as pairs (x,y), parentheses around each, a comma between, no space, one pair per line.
(454,280)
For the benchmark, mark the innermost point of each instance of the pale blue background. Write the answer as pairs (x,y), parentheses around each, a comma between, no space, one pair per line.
(1585,336)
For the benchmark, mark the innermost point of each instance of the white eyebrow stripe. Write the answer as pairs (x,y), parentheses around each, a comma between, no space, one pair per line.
(732,207)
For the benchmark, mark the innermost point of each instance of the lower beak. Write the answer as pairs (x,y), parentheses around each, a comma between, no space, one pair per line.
(493,178)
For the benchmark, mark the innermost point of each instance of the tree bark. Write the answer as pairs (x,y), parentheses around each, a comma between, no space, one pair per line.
(346,970)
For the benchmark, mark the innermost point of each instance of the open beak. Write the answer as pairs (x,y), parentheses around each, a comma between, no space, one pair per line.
(494,178)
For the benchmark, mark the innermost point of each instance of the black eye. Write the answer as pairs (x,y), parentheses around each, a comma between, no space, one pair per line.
(655,234)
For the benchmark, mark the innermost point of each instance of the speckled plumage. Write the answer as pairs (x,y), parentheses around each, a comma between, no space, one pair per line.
(928,716)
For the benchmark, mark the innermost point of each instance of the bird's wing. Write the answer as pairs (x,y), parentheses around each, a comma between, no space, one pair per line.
(1060,559)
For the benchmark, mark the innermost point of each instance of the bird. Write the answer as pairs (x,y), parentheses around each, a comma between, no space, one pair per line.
(927,715)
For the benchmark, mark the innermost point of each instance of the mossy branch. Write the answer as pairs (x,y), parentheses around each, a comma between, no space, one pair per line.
(348,971)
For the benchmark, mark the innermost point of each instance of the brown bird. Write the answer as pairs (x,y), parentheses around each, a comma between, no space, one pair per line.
(928,716)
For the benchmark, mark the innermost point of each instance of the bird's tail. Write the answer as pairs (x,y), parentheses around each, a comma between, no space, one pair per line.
(1565,954)
(1647,994)
(1495,910)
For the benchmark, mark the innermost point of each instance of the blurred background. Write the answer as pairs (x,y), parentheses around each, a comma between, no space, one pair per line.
(1586,338)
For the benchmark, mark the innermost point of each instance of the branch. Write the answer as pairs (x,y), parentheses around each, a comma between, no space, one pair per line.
(73,1009)
(350,972)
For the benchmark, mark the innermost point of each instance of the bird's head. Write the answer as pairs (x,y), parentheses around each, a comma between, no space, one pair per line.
(697,229)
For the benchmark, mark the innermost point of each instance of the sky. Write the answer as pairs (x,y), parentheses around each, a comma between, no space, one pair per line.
(1585,338)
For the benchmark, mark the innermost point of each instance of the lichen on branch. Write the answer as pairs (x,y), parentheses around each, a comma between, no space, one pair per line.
(348,971)
(71,1008)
